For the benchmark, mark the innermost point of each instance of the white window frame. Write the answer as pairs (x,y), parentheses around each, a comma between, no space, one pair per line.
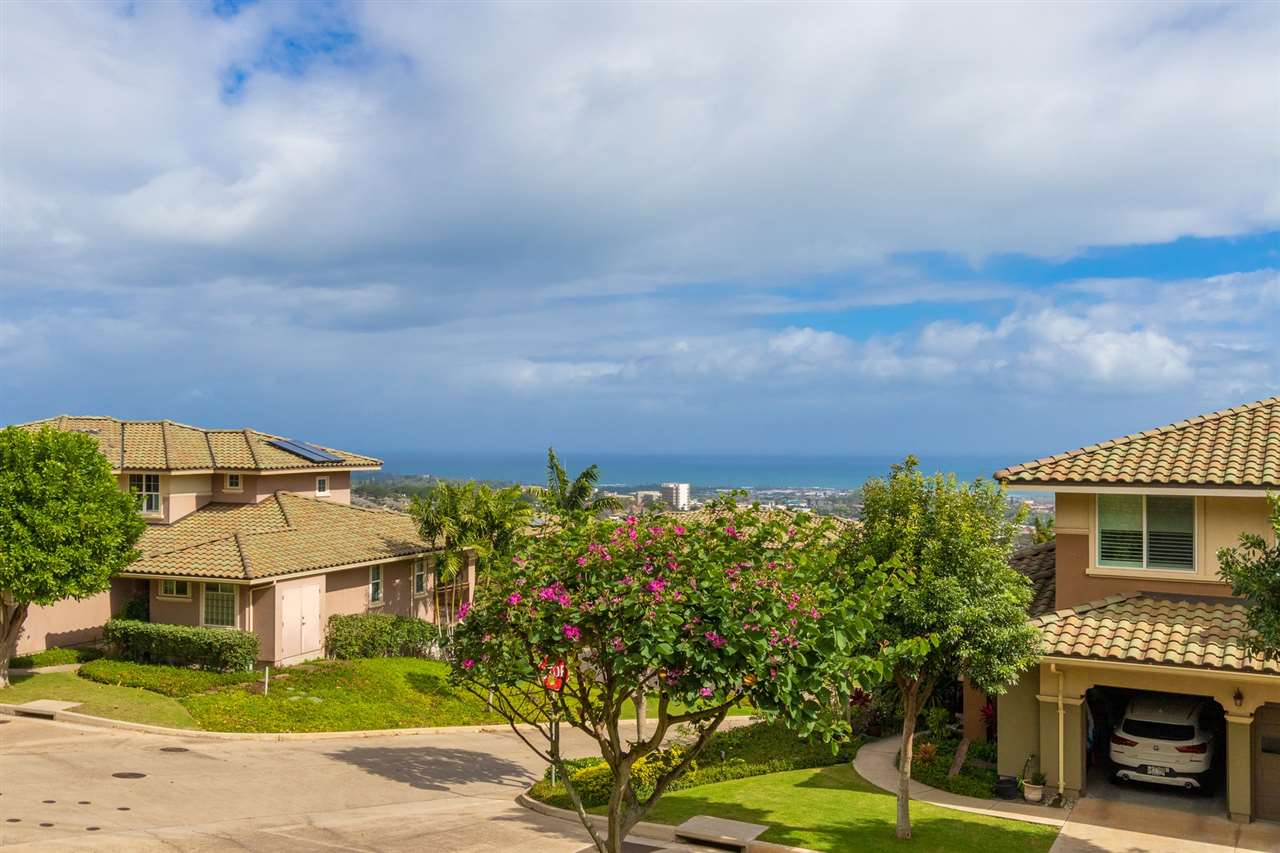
(175,595)
(381,582)
(238,487)
(141,496)
(420,574)
(1095,547)
(322,492)
(235,610)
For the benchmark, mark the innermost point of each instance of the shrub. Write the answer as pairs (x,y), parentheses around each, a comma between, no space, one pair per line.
(219,649)
(137,609)
(736,753)
(937,720)
(971,781)
(167,680)
(926,752)
(379,635)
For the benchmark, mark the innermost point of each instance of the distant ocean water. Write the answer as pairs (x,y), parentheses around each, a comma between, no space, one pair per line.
(622,471)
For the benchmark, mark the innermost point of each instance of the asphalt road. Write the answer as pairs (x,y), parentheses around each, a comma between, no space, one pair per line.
(440,792)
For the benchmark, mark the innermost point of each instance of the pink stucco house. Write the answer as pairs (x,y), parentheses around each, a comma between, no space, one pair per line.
(252,531)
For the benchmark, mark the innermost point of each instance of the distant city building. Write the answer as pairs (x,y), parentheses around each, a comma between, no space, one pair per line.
(643,498)
(676,495)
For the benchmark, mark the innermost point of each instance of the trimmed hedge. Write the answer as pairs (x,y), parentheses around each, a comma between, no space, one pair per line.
(55,657)
(217,649)
(736,753)
(173,681)
(379,635)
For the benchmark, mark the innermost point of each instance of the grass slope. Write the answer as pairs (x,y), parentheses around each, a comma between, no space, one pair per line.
(835,809)
(101,700)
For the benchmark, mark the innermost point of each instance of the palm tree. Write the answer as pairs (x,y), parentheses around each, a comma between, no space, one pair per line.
(466,520)
(578,495)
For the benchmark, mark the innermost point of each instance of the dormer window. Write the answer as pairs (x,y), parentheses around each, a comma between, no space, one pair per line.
(145,489)
(233,483)
(322,487)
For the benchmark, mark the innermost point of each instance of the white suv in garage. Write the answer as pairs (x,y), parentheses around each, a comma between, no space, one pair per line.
(1164,739)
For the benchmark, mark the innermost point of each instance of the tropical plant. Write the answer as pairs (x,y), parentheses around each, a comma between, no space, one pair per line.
(65,525)
(470,521)
(965,599)
(732,606)
(1253,570)
(1042,530)
(563,495)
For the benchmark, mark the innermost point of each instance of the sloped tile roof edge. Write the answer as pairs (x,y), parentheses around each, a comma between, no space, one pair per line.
(1018,473)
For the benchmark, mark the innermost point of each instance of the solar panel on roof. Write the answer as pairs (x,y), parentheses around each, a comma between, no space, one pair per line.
(309,452)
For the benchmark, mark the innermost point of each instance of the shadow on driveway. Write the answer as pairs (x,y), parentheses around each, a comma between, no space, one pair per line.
(435,769)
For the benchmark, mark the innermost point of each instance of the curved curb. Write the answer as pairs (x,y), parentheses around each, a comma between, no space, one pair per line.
(646,829)
(875,762)
(146,728)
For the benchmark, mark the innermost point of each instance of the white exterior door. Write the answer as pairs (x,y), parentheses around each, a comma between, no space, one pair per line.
(300,621)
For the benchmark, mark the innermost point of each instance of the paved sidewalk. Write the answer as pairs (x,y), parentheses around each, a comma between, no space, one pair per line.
(875,762)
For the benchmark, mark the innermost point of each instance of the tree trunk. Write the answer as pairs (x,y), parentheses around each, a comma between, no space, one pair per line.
(909,712)
(12,617)
(641,712)
(622,815)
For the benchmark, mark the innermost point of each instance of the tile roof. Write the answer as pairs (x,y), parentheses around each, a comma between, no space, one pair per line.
(1152,629)
(1234,447)
(283,534)
(1039,564)
(169,446)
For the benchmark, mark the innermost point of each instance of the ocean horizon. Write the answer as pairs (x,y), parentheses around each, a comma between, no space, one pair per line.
(631,471)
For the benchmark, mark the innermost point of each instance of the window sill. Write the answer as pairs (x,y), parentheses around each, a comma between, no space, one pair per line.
(1151,574)
(185,598)
(376,603)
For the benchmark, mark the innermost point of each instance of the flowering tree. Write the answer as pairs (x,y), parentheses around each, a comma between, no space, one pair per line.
(727,606)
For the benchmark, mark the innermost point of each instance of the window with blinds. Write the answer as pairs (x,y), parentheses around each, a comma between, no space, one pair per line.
(1146,532)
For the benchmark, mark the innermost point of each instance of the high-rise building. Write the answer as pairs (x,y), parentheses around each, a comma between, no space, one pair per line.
(676,495)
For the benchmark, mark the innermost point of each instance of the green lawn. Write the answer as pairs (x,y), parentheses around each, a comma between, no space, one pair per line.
(835,809)
(101,700)
(376,693)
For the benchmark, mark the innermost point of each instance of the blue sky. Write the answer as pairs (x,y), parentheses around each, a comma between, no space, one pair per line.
(629,228)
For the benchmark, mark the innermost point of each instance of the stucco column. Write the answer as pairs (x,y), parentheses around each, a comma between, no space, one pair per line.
(431,590)
(471,577)
(975,727)
(1240,767)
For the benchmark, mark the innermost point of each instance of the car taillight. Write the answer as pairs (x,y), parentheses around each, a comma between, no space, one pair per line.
(1123,741)
(1197,748)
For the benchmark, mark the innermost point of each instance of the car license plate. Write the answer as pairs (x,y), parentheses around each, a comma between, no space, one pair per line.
(1158,771)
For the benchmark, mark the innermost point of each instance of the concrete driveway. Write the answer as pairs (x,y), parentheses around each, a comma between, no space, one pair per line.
(1111,826)
(443,792)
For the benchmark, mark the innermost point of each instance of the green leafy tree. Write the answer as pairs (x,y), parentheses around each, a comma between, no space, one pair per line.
(471,521)
(1253,570)
(1042,529)
(965,599)
(727,606)
(563,495)
(65,525)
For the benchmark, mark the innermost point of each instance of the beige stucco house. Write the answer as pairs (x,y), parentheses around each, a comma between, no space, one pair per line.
(252,531)
(1135,601)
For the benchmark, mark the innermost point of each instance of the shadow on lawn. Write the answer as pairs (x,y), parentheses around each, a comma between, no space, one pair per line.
(435,769)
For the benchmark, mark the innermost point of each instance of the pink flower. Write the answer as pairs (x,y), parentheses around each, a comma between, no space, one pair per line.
(572,633)
(582,561)
(706,693)
(626,580)
(464,610)
(813,614)
(631,519)
(716,641)
(678,530)
(732,531)
(514,598)
(617,644)
(468,663)
(656,585)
